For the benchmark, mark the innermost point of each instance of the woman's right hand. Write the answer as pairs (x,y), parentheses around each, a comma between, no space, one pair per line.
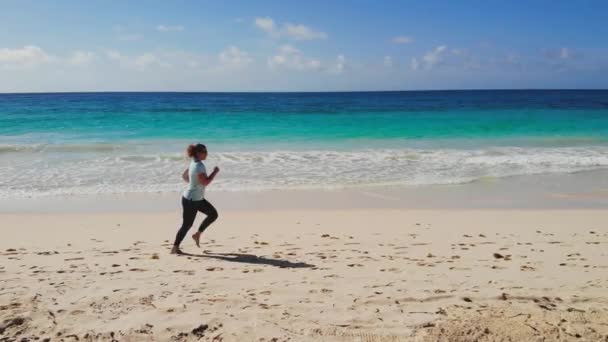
(216,169)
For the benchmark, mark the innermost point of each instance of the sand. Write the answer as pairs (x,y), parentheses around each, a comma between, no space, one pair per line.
(307,275)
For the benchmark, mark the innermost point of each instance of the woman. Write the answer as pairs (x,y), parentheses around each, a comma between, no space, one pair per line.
(193,198)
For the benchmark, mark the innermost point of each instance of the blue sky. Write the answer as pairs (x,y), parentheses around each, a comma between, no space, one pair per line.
(301,46)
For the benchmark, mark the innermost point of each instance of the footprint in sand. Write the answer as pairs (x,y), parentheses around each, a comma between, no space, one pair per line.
(210,269)
(71,259)
(187,272)
(47,253)
(500,256)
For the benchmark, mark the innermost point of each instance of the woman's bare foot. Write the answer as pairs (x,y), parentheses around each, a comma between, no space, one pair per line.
(197,238)
(176,250)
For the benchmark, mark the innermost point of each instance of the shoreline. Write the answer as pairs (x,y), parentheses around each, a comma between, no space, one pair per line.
(584,190)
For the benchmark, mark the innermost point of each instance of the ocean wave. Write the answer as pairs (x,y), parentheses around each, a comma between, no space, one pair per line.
(66,148)
(123,171)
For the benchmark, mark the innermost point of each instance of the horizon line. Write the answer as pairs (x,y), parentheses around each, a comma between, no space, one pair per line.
(292,92)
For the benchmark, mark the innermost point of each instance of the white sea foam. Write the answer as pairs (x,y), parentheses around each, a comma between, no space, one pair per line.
(115,169)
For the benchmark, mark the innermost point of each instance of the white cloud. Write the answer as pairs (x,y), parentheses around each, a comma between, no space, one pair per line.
(288,49)
(288,30)
(114,55)
(430,59)
(459,52)
(28,56)
(265,24)
(143,61)
(414,64)
(402,40)
(81,58)
(340,63)
(433,57)
(167,28)
(388,61)
(562,54)
(139,63)
(301,32)
(179,59)
(291,58)
(234,57)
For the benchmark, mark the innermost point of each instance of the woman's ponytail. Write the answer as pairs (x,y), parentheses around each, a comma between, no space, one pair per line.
(193,149)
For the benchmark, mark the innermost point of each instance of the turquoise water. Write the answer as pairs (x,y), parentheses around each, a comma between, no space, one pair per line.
(236,119)
(134,142)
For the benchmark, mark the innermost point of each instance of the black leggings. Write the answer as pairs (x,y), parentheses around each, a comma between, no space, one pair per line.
(189,214)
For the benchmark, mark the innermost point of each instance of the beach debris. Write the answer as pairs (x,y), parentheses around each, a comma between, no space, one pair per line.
(441,311)
(11,322)
(498,256)
(467,299)
(200,330)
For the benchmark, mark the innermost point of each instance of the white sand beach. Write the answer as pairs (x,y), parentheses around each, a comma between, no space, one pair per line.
(307,275)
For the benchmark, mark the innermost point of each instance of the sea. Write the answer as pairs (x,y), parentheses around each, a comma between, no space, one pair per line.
(117,143)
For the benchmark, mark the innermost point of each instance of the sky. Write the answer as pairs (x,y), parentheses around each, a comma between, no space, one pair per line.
(340,45)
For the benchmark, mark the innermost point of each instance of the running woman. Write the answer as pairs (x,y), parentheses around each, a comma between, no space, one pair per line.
(193,198)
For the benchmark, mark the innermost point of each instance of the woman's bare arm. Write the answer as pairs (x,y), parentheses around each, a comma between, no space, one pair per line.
(185,176)
(206,180)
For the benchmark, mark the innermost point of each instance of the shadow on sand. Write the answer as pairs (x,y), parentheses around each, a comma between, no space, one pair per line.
(252,259)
